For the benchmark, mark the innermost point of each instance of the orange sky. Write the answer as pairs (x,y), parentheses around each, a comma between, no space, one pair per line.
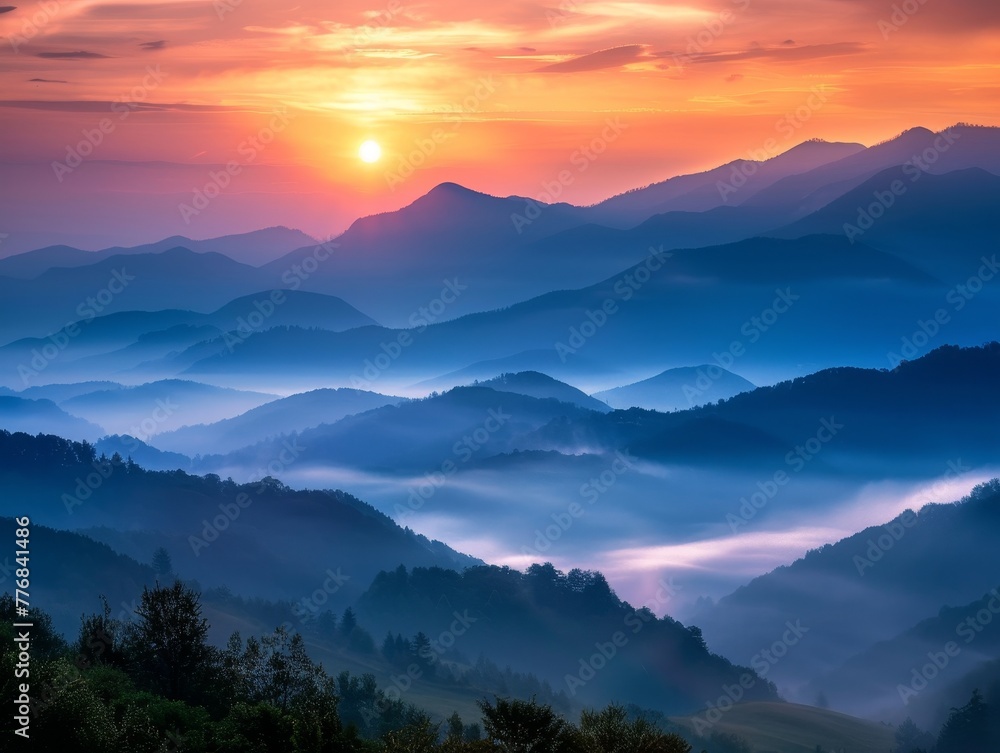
(499,97)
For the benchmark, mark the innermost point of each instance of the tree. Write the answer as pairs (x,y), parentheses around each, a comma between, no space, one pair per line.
(389,648)
(911,739)
(968,729)
(169,641)
(423,654)
(348,622)
(611,731)
(516,726)
(419,736)
(456,730)
(100,639)
(162,565)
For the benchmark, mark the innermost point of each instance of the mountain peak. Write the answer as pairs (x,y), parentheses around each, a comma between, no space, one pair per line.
(450,189)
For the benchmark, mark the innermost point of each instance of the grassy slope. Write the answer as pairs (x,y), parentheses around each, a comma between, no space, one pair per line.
(438,699)
(791,728)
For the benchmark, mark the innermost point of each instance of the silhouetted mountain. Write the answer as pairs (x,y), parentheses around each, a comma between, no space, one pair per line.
(254,248)
(66,566)
(964,147)
(57,393)
(722,288)
(420,435)
(404,258)
(132,343)
(875,408)
(161,406)
(941,223)
(545,361)
(145,455)
(123,283)
(865,589)
(542,386)
(870,680)
(701,191)
(677,389)
(285,416)
(555,623)
(258,538)
(44,416)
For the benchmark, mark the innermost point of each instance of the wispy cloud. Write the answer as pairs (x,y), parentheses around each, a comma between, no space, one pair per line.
(77,55)
(614,57)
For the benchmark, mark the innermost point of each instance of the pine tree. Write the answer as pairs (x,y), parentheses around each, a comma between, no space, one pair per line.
(348,622)
(162,564)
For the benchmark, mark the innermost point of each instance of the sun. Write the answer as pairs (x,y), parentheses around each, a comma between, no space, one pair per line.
(370,151)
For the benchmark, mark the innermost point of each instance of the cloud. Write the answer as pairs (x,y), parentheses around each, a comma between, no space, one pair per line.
(734,77)
(806,52)
(48,80)
(159,44)
(91,105)
(78,55)
(150,11)
(612,57)
(7,8)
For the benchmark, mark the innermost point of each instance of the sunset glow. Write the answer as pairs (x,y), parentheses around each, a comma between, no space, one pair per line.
(512,91)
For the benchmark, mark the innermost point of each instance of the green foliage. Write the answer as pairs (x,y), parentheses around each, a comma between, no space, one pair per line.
(611,731)
(168,644)
(516,726)
(70,716)
(162,564)
(973,728)
(910,738)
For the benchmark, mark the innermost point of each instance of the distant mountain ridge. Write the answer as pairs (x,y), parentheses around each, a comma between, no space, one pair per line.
(894,574)
(255,248)
(678,389)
